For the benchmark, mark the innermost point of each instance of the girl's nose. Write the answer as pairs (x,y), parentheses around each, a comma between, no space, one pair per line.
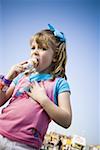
(35,52)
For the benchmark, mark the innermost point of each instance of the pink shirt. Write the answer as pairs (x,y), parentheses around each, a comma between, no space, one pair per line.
(24,120)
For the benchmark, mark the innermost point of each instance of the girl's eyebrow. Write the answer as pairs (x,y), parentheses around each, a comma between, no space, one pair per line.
(41,46)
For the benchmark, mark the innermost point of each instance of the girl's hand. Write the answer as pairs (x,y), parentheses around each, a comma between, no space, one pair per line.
(38,92)
(15,70)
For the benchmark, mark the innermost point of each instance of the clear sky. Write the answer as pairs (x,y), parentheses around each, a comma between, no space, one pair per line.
(79,20)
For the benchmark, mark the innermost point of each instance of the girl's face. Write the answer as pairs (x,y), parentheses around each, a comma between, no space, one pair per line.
(43,55)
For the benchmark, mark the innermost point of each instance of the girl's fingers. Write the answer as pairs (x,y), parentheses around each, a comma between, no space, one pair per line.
(31,88)
(32,84)
(35,83)
(28,93)
(23,62)
(42,85)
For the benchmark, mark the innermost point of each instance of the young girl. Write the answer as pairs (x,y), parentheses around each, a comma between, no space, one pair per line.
(37,96)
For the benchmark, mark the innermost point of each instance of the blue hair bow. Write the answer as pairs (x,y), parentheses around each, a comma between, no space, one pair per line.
(57,33)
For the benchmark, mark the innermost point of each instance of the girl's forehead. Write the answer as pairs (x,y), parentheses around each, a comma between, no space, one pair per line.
(40,40)
(43,40)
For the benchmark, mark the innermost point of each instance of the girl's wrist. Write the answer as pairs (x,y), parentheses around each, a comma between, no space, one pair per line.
(7,81)
(10,76)
(4,83)
(44,101)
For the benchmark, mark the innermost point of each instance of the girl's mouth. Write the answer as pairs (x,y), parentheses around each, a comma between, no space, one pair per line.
(34,61)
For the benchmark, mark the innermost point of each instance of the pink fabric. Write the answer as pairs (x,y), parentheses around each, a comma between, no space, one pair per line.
(24,120)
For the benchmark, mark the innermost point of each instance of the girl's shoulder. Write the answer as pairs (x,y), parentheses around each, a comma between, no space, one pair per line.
(62,85)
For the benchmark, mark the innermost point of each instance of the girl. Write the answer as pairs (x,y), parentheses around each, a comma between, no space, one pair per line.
(37,96)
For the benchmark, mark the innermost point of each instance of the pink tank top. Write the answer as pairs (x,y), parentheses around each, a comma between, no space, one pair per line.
(24,120)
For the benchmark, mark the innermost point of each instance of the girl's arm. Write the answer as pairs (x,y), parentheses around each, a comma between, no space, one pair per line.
(62,113)
(4,96)
(14,71)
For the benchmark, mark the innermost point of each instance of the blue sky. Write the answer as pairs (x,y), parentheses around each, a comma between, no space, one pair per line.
(79,20)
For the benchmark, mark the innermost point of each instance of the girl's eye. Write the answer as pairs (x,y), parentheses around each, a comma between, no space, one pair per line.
(44,48)
(33,48)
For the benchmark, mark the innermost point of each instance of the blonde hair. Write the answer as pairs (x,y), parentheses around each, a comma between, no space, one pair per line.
(46,38)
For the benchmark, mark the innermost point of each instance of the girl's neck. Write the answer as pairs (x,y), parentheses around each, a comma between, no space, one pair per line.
(36,73)
(47,70)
